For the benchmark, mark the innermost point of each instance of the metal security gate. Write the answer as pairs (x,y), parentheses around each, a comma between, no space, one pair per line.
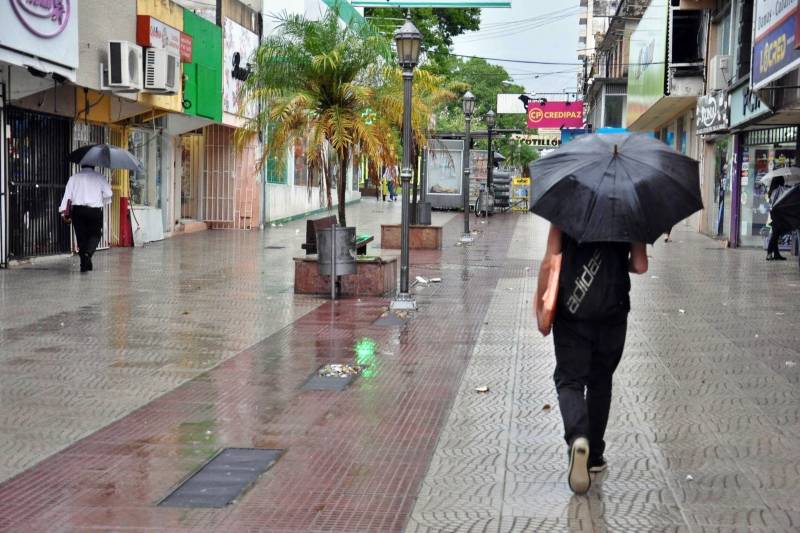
(83,134)
(37,175)
(3,183)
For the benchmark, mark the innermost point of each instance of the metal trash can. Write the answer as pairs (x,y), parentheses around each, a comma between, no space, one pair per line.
(344,246)
(424,213)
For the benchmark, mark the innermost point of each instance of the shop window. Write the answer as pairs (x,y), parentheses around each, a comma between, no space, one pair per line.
(615,110)
(744,41)
(276,166)
(300,167)
(687,36)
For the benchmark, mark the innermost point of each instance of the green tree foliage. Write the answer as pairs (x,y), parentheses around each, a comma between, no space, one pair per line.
(437,25)
(337,90)
(486,81)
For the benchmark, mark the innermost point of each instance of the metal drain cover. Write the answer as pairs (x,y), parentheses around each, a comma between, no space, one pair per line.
(273,247)
(222,479)
(328,383)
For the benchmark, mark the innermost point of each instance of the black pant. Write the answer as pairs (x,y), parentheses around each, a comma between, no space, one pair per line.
(88,224)
(772,246)
(587,353)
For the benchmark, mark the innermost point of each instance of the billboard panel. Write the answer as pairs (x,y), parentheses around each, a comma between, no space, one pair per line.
(548,114)
(648,60)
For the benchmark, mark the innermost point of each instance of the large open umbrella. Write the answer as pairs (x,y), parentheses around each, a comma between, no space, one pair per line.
(105,155)
(615,188)
(791,175)
(786,209)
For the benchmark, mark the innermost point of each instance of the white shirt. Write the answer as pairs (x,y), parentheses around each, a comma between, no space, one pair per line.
(88,188)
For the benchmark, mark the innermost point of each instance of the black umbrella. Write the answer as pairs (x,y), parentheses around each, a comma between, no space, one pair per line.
(786,209)
(105,155)
(615,188)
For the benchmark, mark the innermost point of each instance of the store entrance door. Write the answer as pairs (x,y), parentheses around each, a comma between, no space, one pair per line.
(38,171)
(191,171)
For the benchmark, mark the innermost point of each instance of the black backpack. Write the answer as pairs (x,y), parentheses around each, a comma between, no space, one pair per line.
(594,282)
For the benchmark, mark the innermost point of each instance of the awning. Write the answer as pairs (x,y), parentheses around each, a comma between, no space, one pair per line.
(663,111)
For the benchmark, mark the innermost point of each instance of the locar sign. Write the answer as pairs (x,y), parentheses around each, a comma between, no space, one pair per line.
(555,114)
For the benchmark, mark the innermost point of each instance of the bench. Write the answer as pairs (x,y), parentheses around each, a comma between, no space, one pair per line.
(314,225)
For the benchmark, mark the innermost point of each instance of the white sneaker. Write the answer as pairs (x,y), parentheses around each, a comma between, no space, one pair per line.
(578,473)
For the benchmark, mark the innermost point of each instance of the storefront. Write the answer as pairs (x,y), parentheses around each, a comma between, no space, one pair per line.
(762,151)
(712,119)
(39,52)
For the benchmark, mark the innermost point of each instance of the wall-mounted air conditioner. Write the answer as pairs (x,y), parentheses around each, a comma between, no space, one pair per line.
(719,72)
(162,72)
(123,72)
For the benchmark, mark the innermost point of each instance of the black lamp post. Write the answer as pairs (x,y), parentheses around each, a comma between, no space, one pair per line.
(469,108)
(490,122)
(408,40)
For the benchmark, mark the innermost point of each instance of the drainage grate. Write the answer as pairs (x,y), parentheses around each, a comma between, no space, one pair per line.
(328,383)
(222,479)
(272,247)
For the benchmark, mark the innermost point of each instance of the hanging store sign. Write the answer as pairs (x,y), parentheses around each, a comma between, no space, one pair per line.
(152,33)
(555,114)
(429,3)
(712,113)
(775,42)
(42,34)
(746,105)
(537,141)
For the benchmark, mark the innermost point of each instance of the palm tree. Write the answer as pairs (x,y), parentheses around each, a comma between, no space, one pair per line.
(316,80)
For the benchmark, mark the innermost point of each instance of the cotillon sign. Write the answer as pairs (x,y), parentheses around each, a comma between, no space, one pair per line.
(555,114)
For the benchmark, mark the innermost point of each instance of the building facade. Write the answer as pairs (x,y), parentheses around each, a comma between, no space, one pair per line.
(159,78)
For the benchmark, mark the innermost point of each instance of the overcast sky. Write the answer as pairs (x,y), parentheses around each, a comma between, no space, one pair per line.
(532,30)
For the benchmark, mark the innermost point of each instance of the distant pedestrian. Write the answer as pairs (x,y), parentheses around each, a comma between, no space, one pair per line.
(86,194)
(773,248)
(384,188)
(392,191)
(589,329)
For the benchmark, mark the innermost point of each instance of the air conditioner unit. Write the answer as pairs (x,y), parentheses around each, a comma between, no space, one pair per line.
(124,65)
(719,72)
(162,72)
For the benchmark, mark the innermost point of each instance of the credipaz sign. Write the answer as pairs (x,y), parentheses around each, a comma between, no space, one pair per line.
(555,114)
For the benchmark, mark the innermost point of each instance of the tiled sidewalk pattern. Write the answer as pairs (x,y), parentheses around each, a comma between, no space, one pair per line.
(704,434)
(353,460)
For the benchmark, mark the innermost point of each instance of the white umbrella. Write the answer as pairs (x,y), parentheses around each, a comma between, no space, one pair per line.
(790,174)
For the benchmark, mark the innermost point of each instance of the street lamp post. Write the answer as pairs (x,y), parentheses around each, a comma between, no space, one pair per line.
(408,40)
(469,108)
(490,122)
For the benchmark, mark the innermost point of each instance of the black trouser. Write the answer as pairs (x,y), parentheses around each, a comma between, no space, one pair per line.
(88,224)
(772,246)
(587,353)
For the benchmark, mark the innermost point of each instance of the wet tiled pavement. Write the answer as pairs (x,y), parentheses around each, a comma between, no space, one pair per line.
(116,387)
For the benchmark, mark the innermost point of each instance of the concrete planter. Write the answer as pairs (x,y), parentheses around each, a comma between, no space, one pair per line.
(375,276)
(419,237)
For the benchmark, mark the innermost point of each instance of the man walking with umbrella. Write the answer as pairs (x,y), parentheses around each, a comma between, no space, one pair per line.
(86,194)
(606,197)
(88,191)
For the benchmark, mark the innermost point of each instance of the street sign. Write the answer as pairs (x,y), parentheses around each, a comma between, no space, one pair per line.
(431,3)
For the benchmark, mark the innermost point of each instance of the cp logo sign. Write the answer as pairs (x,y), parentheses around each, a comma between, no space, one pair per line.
(535,114)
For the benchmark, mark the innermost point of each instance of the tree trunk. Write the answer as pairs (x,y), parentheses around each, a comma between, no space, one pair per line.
(341,186)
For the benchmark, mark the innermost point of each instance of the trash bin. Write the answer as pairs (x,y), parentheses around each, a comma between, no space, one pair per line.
(344,247)
(424,213)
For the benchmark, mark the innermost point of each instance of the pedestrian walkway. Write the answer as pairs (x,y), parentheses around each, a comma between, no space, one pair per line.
(117,385)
